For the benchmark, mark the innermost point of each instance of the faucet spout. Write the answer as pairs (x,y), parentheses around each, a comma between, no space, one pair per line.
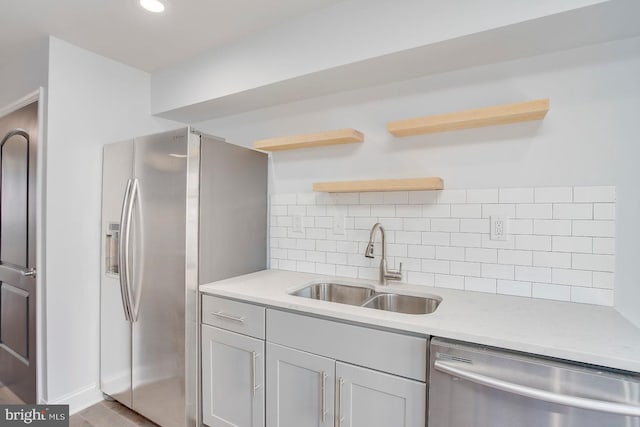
(385,274)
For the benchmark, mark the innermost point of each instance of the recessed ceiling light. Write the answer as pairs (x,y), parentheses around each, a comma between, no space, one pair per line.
(154,6)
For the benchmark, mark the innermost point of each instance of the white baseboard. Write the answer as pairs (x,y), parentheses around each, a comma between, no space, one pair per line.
(80,399)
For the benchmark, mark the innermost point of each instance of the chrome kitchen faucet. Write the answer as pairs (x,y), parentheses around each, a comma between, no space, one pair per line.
(385,274)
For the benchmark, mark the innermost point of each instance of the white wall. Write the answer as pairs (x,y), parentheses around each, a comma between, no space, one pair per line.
(344,33)
(92,101)
(24,74)
(589,137)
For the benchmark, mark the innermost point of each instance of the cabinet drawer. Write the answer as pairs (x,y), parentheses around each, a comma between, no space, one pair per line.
(385,351)
(247,319)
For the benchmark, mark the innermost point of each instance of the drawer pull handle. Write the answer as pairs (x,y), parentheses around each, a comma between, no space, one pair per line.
(228,317)
(324,395)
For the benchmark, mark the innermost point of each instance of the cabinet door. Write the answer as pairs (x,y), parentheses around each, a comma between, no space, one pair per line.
(232,379)
(368,398)
(300,388)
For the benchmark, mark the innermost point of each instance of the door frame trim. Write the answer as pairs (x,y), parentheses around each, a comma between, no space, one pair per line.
(39,96)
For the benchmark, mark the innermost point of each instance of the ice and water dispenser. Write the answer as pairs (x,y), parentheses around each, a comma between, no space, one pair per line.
(112,249)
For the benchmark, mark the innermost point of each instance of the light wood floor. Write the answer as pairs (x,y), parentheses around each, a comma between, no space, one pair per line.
(109,414)
(103,414)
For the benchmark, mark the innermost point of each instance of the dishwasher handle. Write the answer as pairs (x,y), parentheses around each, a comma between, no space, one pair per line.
(534,393)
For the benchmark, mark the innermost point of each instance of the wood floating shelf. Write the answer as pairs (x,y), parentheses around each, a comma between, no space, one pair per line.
(406,184)
(320,139)
(481,117)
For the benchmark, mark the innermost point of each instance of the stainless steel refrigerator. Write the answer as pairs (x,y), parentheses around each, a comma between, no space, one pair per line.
(178,209)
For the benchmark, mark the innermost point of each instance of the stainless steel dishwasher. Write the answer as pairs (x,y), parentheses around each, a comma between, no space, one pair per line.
(475,386)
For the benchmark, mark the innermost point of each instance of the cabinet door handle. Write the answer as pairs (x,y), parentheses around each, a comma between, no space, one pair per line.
(323,387)
(254,386)
(228,317)
(340,417)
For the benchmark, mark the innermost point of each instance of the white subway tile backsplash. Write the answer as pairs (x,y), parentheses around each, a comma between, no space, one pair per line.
(326,245)
(412,237)
(467,240)
(572,244)
(372,198)
(346,271)
(469,269)
(498,271)
(533,274)
(481,255)
(506,210)
(452,196)
(604,245)
(449,253)
(515,257)
(552,227)
(383,210)
(359,210)
(436,211)
(554,292)
(513,287)
(423,197)
(573,211)
(533,243)
(445,224)
(483,196)
(553,195)
(534,211)
(306,198)
(564,276)
(560,240)
(396,197)
(603,280)
(447,281)
(475,225)
(552,259)
(421,251)
(593,262)
(435,266)
(466,211)
(435,238)
(594,194)
(409,211)
(604,211)
(592,296)
(515,195)
(520,226)
(480,285)
(417,224)
(418,278)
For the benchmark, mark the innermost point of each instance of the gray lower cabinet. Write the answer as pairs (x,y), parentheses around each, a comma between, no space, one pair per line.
(307,390)
(368,398)
(232,379)
(300,388)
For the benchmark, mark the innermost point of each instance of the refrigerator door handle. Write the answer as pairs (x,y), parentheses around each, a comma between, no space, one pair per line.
(134,298)
(123,252)
(534,393)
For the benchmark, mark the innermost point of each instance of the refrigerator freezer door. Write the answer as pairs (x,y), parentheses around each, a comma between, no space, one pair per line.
(115,330)
(158,276)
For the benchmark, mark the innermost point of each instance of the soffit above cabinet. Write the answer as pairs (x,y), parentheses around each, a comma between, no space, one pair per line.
(184,99)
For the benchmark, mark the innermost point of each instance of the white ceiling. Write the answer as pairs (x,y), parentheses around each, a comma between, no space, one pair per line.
(122,30)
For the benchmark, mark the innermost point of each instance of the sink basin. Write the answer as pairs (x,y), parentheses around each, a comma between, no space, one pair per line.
(404,303)
(336,292)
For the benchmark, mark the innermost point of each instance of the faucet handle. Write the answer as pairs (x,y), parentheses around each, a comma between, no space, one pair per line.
(400,269)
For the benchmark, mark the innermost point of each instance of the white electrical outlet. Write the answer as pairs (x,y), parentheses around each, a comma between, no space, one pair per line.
(499,228)
(298,224)
(339,225)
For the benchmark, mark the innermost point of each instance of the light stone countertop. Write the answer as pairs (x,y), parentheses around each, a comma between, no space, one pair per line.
(584,333)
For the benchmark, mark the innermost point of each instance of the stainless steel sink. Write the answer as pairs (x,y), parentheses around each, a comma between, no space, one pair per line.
(367,297)
(336,292)
(404,303)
